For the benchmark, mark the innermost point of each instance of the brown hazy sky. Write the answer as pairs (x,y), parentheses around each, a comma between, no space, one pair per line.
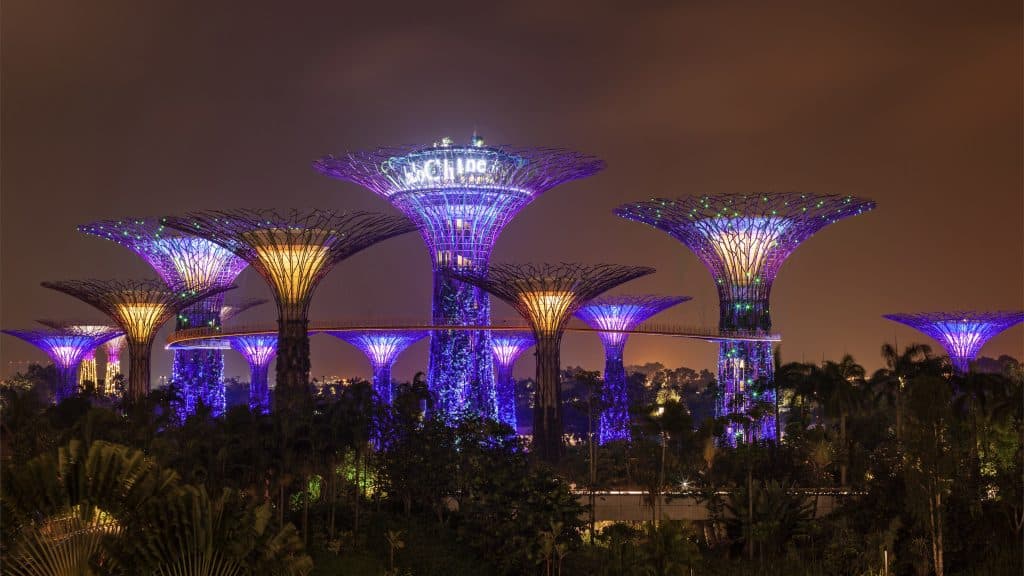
(143,108)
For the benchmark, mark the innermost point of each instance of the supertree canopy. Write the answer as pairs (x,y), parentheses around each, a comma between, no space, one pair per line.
(229,311)
(615,316)
(381,348)
(258,350)
(292,251)
(547,295)
(460,197)
(139,308)
(113,368)
(743,239)
(961,333)
(185,263)
(507,347)
(66,347)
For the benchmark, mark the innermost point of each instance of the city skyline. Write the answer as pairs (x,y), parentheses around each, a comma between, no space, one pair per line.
(163,149)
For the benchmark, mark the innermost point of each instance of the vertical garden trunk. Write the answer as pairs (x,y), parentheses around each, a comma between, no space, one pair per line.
(67,382)
(138,369)
(547,405)
(292,362)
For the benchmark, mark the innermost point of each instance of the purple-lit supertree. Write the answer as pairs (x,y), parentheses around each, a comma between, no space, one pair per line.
(66,347)
(546,296)
(139,308)
(743,239)
(87,367)
(961,333)
(507,347)
(185,263)
(293,251)
(258,350)
(615,316)
(460,197)
(381,348)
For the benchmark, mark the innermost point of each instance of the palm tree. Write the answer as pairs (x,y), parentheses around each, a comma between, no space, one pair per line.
(841,386)
(890,381)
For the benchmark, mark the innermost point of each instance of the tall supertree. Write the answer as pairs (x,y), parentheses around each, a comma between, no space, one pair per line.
(229,311)
(507,347)
(743,239)
(292,251)
(547,295)
(258,350)
(961,333)
(66,347)
(461,197)
(113,348)
(381,348)
(615,316)
(185,263)
(139,308)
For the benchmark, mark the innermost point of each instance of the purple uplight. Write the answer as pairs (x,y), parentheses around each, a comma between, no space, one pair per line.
(961,333)
(382,349)
(461,197)
(507,347)
(66,348)
(258,350)
(183,263)
(615,316)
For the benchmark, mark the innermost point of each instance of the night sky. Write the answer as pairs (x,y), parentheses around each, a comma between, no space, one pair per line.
(114,109)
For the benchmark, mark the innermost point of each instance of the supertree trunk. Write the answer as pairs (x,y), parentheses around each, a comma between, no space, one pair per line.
(382,382)
(505,383)
(614,421)
(259,392)
(547,408)
(200,376)
(67,382)
(138,369)
(292,390)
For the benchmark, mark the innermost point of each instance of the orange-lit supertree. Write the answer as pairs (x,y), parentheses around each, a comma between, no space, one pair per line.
(547,295)
(292,251)
(139,308)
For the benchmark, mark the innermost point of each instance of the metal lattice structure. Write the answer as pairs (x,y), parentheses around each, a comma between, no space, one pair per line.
(292,251)
(229,311)
(185,263)
(461,198)
(66,348)
(258,351)
(381,349)
(961,333)
(618,315)
(139,308)
(507,347)
(547,295)
(87,368)
(113,367)
(743,240)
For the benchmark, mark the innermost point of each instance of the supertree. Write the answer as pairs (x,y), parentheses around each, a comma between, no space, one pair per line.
(461,197)
(66,347)
(743,239)
(258,350)
(615,316)
(507,347)
(547,295)
(292,251)
(185,263)
(381,348)
(229,311)
(113,368)
(961,333)
(139,308)
(87,367)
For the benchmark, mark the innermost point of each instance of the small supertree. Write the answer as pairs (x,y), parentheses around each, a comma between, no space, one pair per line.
(615,316)
(185,263)
(139,308)
(461,197)
(113,368)
(382,348)
(547,295)
(743,239)
(292,251)
(507,347)
(66,347)
(961,333)
(258,350)
(229,311)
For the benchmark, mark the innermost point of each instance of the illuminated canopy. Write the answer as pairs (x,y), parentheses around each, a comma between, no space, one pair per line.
(258,351)
(961,333)
(66,348)
(382,348)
